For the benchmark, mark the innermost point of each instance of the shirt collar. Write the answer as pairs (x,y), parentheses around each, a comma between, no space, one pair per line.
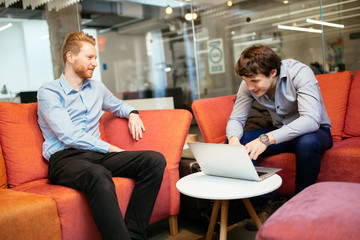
(67,87)
(283,70)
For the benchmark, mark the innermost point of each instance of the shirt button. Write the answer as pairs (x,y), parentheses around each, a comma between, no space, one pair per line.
(278,107)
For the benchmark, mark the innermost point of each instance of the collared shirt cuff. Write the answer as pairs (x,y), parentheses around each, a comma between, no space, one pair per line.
(102,147)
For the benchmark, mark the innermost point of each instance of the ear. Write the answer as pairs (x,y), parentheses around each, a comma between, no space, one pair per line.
(70,57)
(273,72)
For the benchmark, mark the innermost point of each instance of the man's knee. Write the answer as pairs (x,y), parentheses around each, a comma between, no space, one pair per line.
(157,159)
(308,142)
(98,176)
(155,163)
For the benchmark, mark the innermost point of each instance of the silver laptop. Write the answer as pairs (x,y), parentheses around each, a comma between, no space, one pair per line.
(227,160)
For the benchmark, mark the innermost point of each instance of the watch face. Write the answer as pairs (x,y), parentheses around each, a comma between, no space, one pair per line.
(264,137)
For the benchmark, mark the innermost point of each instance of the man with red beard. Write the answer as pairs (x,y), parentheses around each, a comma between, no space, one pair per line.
(69,110)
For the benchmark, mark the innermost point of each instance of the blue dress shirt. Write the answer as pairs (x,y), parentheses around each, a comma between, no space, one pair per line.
(69,118)
(298,107)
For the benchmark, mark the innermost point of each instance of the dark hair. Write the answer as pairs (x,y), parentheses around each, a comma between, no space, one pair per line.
(74,41)
(257,59)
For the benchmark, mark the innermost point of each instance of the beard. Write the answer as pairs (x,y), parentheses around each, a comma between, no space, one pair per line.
(83,71)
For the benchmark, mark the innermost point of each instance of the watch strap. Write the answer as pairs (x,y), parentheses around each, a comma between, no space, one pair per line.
(134,111)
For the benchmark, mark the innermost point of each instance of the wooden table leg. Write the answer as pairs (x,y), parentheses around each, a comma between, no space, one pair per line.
(213,218)
(224,219)
(252,212)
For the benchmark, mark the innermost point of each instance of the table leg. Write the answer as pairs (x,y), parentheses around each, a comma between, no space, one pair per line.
(213,218)
(252,212)
(224,219)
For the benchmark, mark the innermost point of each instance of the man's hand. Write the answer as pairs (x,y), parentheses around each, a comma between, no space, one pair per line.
(234,141)
(136,126)
(113,148)
(255,148)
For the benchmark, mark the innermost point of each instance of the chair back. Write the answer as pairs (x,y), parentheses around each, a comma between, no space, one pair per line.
(211,115)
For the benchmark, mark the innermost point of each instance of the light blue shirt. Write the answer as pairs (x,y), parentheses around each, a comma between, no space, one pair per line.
(69,118)
(298,107)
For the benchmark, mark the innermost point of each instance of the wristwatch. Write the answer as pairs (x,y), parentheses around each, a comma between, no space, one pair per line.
(134,111)
(264,139)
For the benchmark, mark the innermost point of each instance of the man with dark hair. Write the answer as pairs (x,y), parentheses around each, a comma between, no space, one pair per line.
(290,92)
(69,110)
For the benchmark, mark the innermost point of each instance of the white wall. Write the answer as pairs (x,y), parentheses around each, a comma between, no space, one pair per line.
(25,56)
(37,54)
(13,63)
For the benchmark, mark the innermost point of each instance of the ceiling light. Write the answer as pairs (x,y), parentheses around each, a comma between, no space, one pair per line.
(324,23)
(229,3)
(6,26)
(299,29)
(190,16)
(244,35)
(168,10)
(285,2)
(167,69)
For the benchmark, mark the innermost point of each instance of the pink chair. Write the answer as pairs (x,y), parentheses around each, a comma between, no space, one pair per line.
(326,210)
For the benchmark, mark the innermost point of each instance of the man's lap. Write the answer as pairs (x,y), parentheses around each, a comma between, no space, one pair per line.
(322,137)
(74,162)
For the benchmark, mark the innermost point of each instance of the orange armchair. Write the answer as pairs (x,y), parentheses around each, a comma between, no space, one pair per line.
(211,115)
(340,93)
(26,170)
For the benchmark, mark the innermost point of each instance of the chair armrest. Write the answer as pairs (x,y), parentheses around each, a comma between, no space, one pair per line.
(166,131)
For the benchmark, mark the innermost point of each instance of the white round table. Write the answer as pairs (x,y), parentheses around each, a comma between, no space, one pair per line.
(221,190)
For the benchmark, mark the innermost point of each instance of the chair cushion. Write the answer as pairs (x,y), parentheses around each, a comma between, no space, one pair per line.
(338,163)
(28,216)
(72,207)
(352,123)
(287,163)
(21,141)
(326,210)
(335,89)
(3,178)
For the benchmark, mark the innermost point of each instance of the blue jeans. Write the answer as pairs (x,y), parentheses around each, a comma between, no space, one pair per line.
(308,149)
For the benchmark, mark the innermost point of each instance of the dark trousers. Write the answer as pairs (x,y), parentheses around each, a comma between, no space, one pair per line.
(308,149)
(91,172)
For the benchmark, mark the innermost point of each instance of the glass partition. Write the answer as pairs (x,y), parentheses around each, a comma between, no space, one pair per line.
(293,29)
(185,49)
(145,48)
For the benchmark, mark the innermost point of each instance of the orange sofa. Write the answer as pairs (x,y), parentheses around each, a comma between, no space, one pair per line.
(32,208)
(341,93)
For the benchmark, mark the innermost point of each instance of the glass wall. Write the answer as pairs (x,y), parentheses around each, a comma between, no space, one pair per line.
(172,48)
(293,29)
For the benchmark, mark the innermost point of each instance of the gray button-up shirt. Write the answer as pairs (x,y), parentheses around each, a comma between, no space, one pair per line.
(298,107)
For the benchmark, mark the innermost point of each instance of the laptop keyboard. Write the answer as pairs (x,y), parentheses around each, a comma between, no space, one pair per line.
(261,173)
